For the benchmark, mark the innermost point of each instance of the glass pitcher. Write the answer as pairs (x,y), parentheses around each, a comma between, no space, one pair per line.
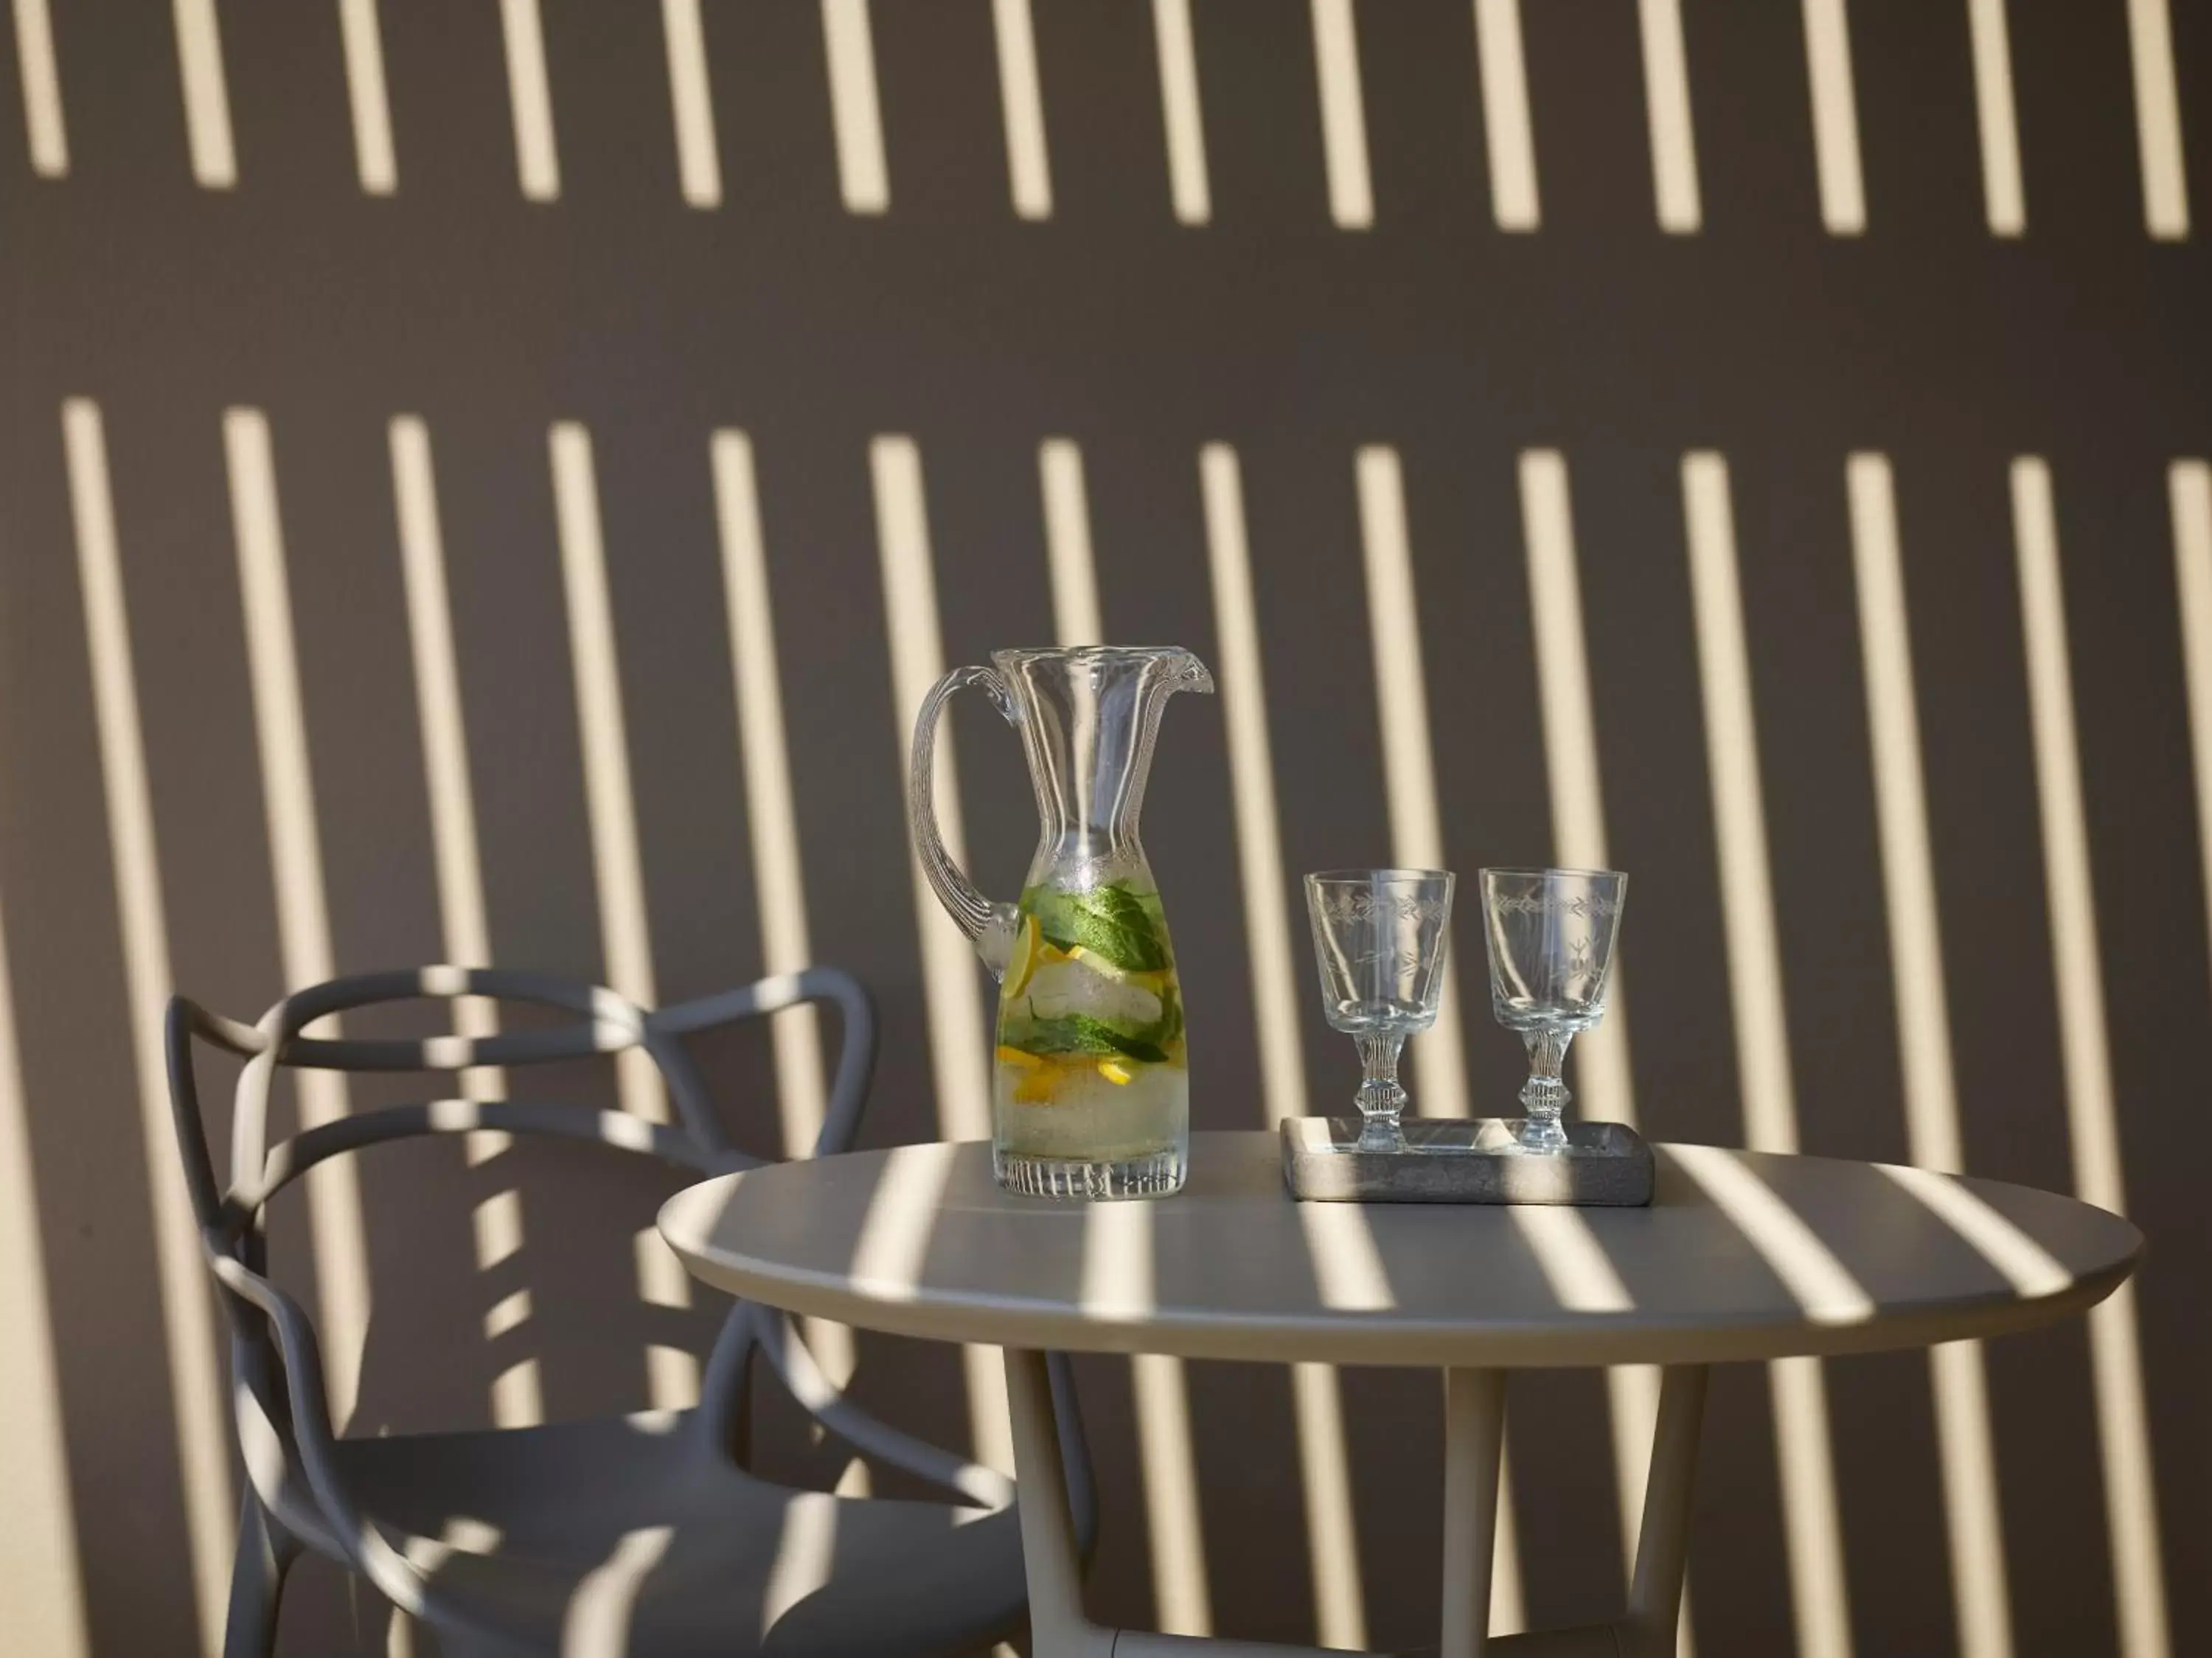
(1089,1083)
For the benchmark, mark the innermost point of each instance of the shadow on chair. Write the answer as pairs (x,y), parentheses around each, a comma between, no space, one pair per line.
(642,1536)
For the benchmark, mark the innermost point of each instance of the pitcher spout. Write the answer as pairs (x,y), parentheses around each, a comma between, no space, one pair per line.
(1088,718)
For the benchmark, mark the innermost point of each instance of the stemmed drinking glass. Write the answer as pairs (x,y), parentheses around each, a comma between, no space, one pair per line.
(1379,938)
(1550,934)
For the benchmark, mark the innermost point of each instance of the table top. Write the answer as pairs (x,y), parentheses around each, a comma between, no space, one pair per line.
(1742,1255)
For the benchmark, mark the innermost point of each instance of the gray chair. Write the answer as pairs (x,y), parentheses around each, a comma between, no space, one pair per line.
(642,1536)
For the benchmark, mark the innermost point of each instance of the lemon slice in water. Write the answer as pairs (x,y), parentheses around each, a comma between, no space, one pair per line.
(1023,961)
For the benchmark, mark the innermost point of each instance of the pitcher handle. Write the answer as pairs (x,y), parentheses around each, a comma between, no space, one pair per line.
(990,927)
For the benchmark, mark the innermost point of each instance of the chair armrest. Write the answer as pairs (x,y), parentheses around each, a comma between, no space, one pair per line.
(804,1380)
(396,1577)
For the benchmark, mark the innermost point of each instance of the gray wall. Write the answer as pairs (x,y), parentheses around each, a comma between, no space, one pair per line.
(1762,335)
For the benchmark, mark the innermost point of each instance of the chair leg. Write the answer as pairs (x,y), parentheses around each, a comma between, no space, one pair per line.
(266,1553)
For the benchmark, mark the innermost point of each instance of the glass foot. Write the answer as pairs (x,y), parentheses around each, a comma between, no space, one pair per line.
(1524,1137)
(1541,1136)
(1155,1175)
(1381,1133)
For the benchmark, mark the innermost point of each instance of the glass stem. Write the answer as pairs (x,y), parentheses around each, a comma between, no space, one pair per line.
(1544,1097)
(1381,1098)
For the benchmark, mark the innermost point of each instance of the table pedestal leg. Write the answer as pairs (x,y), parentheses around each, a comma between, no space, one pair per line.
(1058,1628)
(1662,1542)
(1474,1433)
(1475,1427)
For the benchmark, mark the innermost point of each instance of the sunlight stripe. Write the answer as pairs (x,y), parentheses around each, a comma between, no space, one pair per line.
(671,1374)
(2188,490)
(1931,1107)
(303,926)
(509,1313)
(1187,184)
(1580,1275)
(956,1020)
(855,112)
(1174,1531)
(1973,1511)
(518,1396)
(1666,104)
(48,135)
(1754,955)
(772,816)
(2116,1363)
(496,1225)
(537,157)
(804,1553)
(1343,119)
(1974,1515)
(1117,1262)
(195,1359)
(1340,1610)
(207,99)
(1252,783)
(1578,841)
(1631,1392)
(955,1010)
(1167,1458)
(46,1587)
(596,1622)
(2092,1119)
(618,870)
(2158,119)
(429,1555)
(1324,1463)
(464,929)
(2004,198)
(1409,777)
(1811,1521)
(691,100)
(378,167)
(2032,1270)
(1578,801)
(771,809)
(1505,120)
(2130,1478)
(1812,1518)
(1067,543)
(1347,1266)
(1835,117)
(1029,168)
(892,1247)
(1815,1277)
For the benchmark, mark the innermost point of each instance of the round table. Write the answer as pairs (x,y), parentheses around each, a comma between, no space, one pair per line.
(1742,1255)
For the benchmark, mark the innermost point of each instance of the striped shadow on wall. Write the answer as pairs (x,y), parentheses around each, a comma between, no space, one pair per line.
(492,484)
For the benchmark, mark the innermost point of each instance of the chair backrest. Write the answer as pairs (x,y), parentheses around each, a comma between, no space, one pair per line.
(278,1391)
(607,1023)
